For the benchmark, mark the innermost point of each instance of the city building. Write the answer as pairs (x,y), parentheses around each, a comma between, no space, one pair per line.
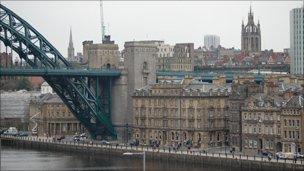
(182,113)
(292,121)
(103,55)
(163,54)
(182,58)
(261,124)
(242,88)
(211,41)
(251,35)
(297,40)
(164,50)
(15,108)
(35,82)
(49,116)
(6,61)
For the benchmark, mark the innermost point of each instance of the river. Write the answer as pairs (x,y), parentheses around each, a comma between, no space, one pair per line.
(23,159)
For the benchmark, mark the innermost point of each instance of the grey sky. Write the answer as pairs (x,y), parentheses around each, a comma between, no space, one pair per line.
(174,22)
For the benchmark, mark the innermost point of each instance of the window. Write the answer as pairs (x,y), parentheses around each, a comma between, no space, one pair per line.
(297,135)
(145,65)
(298,122)
(255,144)
(250,143)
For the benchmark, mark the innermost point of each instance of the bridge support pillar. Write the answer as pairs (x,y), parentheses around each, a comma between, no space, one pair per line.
(119,105)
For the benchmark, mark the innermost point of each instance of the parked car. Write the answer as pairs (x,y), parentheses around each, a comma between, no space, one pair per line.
(76,138)
(291,156)
(298,155)
(134,143)
(104,142)
(280,155)
(24,133)
(59,138)
(2,131)
(83,136)
(11,131)
(266,153)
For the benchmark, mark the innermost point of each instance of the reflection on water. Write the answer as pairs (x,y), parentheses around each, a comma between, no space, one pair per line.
(21,159)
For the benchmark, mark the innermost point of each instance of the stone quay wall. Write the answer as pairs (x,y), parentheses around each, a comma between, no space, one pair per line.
(208,160)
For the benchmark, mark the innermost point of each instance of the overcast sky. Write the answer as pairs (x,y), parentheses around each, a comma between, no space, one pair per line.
(173,22)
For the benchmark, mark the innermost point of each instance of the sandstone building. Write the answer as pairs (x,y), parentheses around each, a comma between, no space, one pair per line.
(186,112)
(49,116)
(104,55)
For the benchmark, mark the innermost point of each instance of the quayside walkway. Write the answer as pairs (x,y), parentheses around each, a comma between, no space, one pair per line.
(164,155)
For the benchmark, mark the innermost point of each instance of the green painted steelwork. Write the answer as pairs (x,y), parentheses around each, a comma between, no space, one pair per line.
(58,72)
(208,75)
(42,57)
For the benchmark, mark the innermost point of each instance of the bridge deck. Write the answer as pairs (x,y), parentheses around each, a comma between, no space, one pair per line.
(59,72)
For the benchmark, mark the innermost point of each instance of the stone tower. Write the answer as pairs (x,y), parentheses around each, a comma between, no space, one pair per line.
(251,35)
(140,64)
(71,51)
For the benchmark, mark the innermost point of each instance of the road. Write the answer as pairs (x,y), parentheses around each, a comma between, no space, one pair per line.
(88,143)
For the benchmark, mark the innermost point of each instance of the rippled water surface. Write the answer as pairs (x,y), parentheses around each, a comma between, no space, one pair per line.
(21,159)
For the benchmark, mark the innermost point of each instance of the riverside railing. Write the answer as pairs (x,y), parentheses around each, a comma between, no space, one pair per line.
(157,150)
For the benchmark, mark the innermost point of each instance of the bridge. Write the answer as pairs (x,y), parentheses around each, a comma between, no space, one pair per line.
(59,72)
(208,76)
(87,93)
(270,67)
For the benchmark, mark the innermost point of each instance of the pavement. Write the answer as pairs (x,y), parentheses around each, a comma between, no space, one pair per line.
(90,143)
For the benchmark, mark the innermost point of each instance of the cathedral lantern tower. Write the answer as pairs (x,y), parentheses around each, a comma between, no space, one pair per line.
(251,35)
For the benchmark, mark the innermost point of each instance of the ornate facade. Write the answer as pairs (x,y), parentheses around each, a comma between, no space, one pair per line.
(261,126)
(182,59)
(49,116)
(292,125)
(186,112)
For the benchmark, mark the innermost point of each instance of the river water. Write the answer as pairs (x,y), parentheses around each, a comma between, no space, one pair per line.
(22,159)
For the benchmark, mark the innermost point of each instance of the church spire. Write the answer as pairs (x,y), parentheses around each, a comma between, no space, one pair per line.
(71,38)
(250,16)
(71,51)
(250,11)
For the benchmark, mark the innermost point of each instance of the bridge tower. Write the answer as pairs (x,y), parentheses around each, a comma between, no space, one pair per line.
(140,64)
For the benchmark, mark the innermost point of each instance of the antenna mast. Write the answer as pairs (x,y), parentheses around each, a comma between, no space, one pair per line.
(102,21)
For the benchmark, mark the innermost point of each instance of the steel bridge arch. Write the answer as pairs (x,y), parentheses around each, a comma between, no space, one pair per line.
(33,48)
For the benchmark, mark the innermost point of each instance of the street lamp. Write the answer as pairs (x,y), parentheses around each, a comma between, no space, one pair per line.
(143,154)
